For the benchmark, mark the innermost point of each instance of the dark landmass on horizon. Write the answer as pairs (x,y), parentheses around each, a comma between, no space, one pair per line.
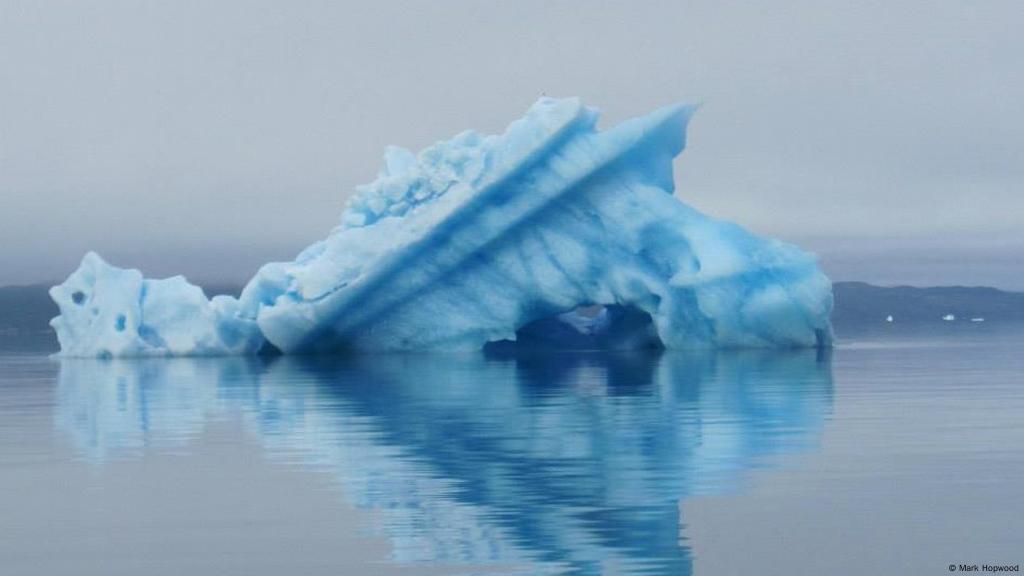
(25,311)
(861,303)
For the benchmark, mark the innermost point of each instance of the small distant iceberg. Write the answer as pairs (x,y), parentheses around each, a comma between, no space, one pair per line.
(474,240)
(888,318)
(977,319)
(949,317)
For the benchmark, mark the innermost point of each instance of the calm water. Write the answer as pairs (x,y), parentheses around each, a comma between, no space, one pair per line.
(887,456)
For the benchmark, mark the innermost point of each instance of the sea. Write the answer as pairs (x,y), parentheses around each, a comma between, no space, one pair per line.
(899,451)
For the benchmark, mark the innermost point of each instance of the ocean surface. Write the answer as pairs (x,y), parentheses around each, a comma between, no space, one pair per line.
(895,453)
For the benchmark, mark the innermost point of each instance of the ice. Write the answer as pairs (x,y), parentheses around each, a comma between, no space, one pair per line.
(484,240)
(106,311)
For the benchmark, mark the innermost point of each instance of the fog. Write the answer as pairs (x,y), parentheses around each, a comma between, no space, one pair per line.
(207,138)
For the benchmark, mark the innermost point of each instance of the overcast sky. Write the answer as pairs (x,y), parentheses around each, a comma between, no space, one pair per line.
(206,138)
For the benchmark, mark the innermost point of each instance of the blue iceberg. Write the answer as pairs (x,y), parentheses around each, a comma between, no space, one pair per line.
(553,233)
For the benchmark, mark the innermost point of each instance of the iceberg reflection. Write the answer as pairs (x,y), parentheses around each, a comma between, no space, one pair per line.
(573,463)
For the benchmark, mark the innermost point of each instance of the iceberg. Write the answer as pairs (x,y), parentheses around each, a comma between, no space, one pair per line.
(553,232)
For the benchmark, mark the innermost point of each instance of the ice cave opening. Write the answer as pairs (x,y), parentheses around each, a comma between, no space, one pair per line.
(586,327)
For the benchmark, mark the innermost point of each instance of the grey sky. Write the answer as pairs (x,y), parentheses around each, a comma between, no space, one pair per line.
(205,138)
